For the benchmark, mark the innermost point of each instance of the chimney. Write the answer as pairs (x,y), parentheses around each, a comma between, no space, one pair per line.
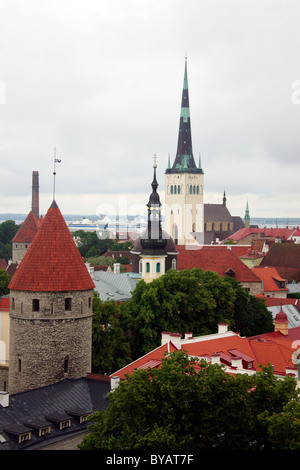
(215,358)
(222,328)
(4,399)
(117,268)
(176,339)
(114,383)
(165,337)
(237,362)
(188,335)
(35,194)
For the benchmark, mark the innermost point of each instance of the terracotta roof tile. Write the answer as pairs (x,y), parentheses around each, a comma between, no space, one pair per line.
(3,263)
(218,259)
(52,262)
(27,230)
(269,276)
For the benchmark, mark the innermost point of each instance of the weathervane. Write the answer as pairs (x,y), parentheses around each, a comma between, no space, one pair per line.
(56,160)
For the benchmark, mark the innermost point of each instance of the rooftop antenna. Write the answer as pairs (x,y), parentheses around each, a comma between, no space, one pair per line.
(56,160)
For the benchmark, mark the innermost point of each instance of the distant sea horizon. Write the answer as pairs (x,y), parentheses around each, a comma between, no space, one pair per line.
(279,222)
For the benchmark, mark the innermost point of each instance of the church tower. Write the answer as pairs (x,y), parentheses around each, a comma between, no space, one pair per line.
(184,183)
(154,252)
(247,216)
(50,310)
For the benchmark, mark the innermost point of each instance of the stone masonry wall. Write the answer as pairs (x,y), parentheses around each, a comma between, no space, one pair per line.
(52,343)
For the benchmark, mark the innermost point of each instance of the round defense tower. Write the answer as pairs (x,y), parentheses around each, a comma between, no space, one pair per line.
(51,310)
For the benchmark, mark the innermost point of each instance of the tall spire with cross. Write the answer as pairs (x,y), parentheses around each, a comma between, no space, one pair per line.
(184,159)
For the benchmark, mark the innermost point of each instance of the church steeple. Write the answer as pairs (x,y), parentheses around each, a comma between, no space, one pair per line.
(184,160)
(247,216)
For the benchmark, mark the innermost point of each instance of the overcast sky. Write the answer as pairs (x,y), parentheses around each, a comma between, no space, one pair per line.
(101,80)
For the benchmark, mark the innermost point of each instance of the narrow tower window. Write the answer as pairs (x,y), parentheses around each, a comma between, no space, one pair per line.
(35,305)
(68,303)
(66,365)
(158,267)
(148,267)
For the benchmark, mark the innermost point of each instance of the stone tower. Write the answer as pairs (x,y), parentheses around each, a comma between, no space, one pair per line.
(24,237)
(184,183)
(50,310)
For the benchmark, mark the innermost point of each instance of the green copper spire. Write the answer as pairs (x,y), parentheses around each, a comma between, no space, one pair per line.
(184,160)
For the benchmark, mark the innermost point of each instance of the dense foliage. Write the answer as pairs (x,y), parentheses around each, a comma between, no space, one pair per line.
(111,350)
(190,300)
(8,230)
(180,407)
(4,282)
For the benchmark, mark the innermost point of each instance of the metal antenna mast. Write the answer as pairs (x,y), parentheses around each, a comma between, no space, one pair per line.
(56,160)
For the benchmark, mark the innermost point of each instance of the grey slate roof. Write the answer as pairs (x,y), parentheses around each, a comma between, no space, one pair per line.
(116,286)
(216,212)
(33,409)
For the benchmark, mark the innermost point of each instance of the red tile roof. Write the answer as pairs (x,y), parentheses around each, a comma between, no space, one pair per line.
(52,262)
(152,359)
(276,301)
(217,259)
(269,276)
(282,233)
(27,230)
(272,348)
(3,263)
(4,304)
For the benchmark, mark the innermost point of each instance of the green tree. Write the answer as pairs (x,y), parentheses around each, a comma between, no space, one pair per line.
(111,350)
(4,282)
(283,429)
(8,230)
(189,300)
(180,407)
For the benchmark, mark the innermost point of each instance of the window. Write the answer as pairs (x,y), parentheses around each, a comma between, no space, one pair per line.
(24,437)
(158,267)
(20,365)
(140,266)
(12,303)
(147,267)
(66,365)
(51,308)
(171,189)
(174,263)
(35,305)
(68,303)
(197,189)
(178,189)
(65,424)
(44,431)
(90,302)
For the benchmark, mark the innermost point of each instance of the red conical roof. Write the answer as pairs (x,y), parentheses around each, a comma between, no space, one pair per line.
(27,230)
(52,262)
